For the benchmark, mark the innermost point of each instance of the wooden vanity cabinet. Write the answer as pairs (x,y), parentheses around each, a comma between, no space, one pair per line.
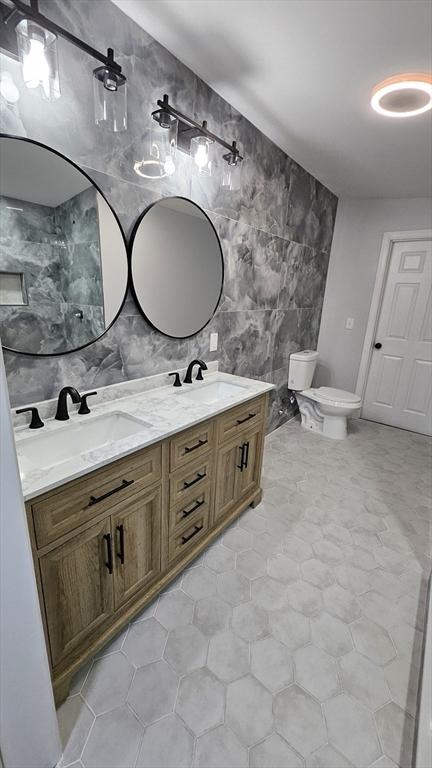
(238,470)
(106,544)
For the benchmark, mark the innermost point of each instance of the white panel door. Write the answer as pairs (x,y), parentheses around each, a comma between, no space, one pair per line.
(399,386)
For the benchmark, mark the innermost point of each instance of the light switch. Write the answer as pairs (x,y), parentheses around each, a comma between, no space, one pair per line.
(349,325)
(213,342)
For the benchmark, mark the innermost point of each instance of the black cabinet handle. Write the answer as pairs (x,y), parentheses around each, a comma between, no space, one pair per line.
(200,476)
(246,455)
(97,499)
(378,345)
(248,418)
(109,561)
(120,554)
(187,512)
(241,465)
(191,535)
(194,447)
(36,421)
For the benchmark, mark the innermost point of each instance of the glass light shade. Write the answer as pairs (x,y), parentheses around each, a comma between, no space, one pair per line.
(110,100)
(37,48)
(163,145)
(201,153)
(231,177)
(8,89)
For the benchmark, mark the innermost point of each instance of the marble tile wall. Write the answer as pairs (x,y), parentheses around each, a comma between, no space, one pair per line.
(60,263)
(276,232)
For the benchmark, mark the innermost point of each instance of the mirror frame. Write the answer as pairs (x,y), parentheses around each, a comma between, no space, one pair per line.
(130,254)
(128,276)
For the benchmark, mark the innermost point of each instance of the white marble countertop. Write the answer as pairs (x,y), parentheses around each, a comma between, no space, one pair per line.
(164,411)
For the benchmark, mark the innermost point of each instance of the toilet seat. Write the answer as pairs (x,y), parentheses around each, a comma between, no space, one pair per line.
(332,396)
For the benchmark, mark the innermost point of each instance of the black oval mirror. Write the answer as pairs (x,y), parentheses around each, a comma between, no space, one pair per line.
(176,267)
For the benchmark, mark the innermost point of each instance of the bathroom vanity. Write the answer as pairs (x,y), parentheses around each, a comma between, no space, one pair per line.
(108,541)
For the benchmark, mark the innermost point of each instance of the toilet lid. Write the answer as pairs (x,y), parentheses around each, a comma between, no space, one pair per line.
(337,395)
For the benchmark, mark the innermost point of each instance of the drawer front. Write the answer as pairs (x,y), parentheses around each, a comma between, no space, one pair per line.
(191,445)
(190,480)
(233,422)
(183,542)
(80,501)
(195,505)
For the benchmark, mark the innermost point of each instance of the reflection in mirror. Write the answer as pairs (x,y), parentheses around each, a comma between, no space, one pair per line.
(63,264)
(176,267)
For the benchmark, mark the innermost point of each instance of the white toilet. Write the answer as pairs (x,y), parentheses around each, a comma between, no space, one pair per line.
(322,409)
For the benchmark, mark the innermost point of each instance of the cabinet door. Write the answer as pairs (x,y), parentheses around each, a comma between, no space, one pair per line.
(249,476)
(228,463)
(78,588)
(136,533)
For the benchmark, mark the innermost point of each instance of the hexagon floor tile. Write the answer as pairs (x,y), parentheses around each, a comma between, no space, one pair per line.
(295,635)
(274,752)
(299,719)
(201,701)
(316,671)
(166,744)
(352,730)
(249,710)
(271,663)
(153,691)
(220,748)
(228,656)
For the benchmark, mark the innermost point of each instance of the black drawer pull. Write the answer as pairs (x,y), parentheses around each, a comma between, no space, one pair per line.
(242,464)
(194,447)
(96,499)
(246,456)
(247,418)
(200,476)
(109,561)
(196,530)
(121,554)
(187,512)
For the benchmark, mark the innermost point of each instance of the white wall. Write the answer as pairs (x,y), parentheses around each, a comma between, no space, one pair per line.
(360,225)
(29,736)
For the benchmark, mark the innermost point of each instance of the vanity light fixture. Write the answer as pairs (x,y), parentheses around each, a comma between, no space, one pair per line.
(404,95)
(37,47)
(195,139)
(200,149)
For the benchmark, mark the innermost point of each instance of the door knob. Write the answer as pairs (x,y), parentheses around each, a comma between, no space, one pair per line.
(378,345)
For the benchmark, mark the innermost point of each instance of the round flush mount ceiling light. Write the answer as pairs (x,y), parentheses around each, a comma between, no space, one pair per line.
(403,95)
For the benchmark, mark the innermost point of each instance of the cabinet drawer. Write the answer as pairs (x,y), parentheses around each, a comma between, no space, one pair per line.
(182,542)
(80,501)
(192,444)
(235,421)
(190,480)
(198,503)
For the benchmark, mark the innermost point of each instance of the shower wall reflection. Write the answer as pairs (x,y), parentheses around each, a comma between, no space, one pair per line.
(56,251)
(63,266)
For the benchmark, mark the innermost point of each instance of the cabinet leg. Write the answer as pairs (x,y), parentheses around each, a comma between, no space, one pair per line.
(257,499)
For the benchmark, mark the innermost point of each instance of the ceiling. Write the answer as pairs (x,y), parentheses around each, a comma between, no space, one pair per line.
(27,175)
(302,72)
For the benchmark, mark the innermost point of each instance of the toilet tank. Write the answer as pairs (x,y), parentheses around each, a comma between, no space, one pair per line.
(301,369)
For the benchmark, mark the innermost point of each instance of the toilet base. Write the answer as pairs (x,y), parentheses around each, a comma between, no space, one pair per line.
(331,425)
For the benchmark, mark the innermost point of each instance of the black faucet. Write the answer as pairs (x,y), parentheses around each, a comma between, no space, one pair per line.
(199,377)
(62,409)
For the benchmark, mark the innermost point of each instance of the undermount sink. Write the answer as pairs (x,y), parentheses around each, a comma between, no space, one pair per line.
(211,393)
(42,451)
